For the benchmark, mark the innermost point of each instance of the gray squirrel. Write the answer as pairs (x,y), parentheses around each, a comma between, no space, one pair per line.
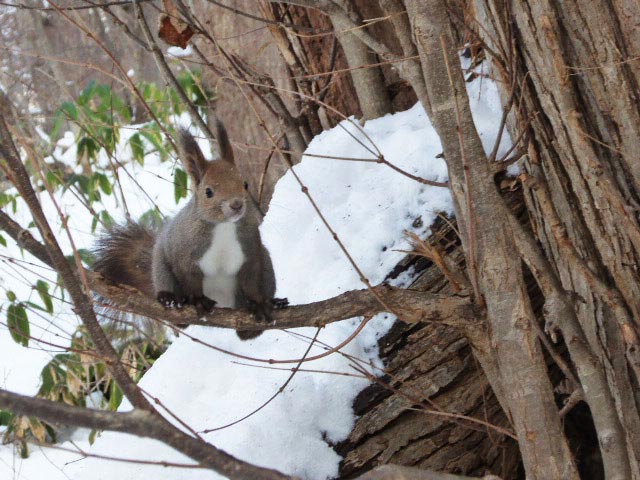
(209,254)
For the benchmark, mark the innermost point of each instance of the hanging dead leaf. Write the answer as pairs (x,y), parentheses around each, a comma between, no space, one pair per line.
(172,33)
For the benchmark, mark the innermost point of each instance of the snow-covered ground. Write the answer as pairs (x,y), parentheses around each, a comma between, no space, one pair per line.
(369,206)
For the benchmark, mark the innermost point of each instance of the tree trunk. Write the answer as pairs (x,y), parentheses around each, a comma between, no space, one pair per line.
(432,370)
(584,89)
(575,95)
(368,81)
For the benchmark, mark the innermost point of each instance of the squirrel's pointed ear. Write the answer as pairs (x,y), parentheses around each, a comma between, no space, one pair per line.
(191,156)
(226,152)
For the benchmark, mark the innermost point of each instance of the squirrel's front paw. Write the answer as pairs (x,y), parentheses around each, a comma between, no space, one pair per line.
(169,300)
(280,303)
(203,304)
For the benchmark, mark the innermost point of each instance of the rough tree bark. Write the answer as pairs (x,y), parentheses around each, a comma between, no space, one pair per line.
(368,82)
(581,190)
(433,373)
(576,66)
(511,356)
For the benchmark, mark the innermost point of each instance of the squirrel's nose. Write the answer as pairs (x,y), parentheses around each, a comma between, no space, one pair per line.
(236,205)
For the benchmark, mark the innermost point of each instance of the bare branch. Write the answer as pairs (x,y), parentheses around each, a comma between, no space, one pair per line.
(22,6)
(168,74)
(480,211)
(560,314)
(411,305)
(368,82)
(137,422)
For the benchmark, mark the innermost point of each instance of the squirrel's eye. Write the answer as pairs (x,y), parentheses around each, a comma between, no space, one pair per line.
(246,186)
(209,192)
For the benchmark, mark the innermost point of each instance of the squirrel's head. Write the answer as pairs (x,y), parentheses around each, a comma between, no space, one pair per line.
(219,190)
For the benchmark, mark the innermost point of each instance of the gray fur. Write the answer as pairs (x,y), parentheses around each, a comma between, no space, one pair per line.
(182,241)
(166,264)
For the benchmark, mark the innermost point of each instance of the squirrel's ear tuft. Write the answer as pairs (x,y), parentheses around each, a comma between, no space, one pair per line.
(191,156)
(226,152)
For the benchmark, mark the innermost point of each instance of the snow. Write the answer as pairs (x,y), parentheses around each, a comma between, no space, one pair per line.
(179,51)
(369,206)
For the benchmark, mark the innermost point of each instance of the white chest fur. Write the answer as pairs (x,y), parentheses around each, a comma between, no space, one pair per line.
(220,265)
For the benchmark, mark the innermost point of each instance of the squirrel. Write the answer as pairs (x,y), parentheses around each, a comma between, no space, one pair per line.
(209,254)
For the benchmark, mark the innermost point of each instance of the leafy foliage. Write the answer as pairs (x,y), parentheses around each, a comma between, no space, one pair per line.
(101,116)
(75,376)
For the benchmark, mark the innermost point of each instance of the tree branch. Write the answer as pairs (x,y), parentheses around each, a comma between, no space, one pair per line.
(137,422)
(413,305)
(408,67)
(168,74)
(482,219)
(368,82)
(560,313)
(83,304)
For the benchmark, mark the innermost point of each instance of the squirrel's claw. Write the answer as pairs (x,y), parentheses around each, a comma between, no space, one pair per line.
(169,300)
(203,304)
(280,303)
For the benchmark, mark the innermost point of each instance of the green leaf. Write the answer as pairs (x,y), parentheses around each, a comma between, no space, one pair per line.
(58,121)
(105,184)
(43,290)
(34,306)
(3,241)
(53,179)
(5,199)
(121,108)
(47,380)
(103,92)
(106,219)
(115,396)
(88,147)
(87,256)
(151,218)
(87,93)
(70,110)
(5,418)
(145,91)
(18,324)
(109,138)
(24,449)
(176,103)
(11,296)
(154,137)
(92,436)
(179,184)
(52,433)
(137,148)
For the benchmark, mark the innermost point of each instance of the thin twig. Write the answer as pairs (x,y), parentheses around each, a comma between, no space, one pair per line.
(473,267)
(294,370)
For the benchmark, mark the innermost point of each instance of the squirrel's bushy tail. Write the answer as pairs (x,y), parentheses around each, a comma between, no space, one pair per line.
(123,255)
